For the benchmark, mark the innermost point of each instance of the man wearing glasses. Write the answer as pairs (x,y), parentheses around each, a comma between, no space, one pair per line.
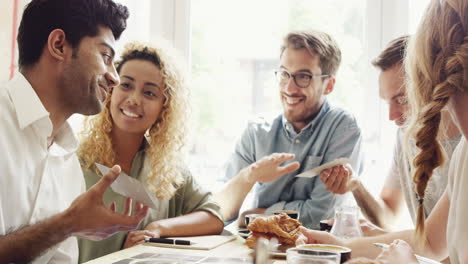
(309,127)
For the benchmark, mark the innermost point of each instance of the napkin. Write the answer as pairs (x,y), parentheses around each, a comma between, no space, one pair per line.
(130,187)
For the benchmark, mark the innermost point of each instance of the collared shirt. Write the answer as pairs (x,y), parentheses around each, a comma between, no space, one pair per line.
(332,134)
(36,181)
(189,197)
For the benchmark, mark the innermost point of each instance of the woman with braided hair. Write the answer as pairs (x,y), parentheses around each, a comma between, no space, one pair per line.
(437,67)
(437,63)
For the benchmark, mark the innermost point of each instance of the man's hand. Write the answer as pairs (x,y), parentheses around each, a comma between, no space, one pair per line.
(398,252)
(308,236)
(269,168)
(91,219)
(338,179)
(137,237)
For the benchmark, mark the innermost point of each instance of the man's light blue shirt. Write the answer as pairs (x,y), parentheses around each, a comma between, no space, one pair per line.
(332,134)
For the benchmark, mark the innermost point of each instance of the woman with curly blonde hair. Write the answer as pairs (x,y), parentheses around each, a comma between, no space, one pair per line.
(142,128)
(437,67)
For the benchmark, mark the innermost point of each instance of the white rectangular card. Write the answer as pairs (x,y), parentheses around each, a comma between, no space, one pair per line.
(130,187)
(316,171)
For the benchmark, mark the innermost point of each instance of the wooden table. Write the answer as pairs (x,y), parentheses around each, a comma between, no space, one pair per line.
(233,249)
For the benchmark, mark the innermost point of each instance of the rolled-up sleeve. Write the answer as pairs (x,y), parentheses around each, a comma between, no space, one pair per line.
(346,142)
(192,197)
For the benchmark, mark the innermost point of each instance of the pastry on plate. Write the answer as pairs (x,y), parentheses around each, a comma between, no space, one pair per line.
(281,227)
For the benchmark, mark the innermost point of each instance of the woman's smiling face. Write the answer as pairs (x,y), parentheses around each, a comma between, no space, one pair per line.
(137,103)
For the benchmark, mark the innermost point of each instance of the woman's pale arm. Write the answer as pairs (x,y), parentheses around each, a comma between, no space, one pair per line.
(233,194)
(435,246)
(194,224)
(436,228)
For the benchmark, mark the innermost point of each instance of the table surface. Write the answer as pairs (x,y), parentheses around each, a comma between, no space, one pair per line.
(233,249)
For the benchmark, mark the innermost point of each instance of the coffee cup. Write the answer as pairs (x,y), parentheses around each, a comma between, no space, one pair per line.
(345,253)
(324,226)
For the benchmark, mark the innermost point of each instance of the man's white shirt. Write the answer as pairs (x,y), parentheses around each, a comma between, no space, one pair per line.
(36,181)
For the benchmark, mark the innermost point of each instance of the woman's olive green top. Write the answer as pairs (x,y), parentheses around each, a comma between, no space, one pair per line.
(189,197)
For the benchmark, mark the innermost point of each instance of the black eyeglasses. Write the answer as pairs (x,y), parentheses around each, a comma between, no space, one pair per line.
(300,79)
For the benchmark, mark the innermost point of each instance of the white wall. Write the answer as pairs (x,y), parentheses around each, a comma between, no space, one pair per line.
(6,32)
(153,19)
(149,20)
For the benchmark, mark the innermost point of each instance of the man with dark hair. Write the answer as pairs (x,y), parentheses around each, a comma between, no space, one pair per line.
(398,187)
(309,127)
(392,79)
(66,52)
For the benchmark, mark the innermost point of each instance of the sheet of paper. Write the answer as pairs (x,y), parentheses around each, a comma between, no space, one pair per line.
(179,258)
(316,171)
(130,187)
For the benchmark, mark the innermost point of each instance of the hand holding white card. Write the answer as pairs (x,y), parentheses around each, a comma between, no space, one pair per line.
(316,171)
(130,187)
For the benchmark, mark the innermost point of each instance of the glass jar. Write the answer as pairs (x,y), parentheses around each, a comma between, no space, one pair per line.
(346,223)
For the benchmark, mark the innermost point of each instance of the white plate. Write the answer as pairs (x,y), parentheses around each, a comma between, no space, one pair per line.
(278,254)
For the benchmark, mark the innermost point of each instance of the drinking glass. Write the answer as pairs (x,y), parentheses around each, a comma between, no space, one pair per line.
(306,256)
(346,223)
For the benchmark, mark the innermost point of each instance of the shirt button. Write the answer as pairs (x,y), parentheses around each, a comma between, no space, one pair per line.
(298,141)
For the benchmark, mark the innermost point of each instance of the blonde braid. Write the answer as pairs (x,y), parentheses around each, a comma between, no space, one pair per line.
(431,155)
(436,65)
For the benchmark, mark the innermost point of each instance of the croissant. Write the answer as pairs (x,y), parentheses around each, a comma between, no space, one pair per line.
(281,226)
(253,237)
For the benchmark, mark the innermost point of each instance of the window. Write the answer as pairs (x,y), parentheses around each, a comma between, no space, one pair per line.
(235,49)
(234,52)
(417,10)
